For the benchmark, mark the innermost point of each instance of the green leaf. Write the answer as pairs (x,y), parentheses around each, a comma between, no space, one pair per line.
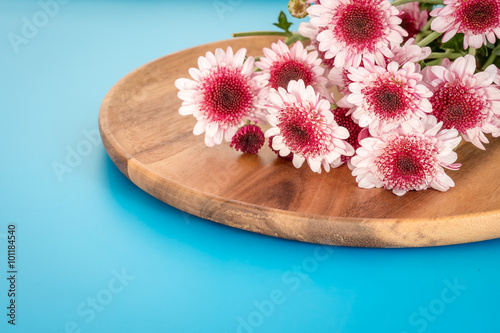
(283,22)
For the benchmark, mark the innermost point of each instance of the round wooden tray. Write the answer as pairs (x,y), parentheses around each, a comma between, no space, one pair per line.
(154,147)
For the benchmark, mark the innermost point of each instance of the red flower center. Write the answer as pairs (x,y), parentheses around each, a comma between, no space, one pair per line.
(478,16)
(387,99)
(458,108)
(406,165)
(360,24)
(227,96)
(407,162)
(301,131)
(282,72)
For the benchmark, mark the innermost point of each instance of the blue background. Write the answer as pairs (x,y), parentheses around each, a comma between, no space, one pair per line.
(80,230)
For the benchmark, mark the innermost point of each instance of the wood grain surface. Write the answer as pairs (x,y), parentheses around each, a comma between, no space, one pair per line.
(154,147)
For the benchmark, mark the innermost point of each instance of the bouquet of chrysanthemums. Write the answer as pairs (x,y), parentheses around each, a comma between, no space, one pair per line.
(415,76)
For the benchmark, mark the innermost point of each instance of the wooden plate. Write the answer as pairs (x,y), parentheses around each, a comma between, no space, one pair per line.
(154,147)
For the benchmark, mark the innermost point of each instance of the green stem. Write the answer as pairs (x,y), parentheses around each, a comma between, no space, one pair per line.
(400,2)
(472,51)
(427,26)
(429,39)
(261,33)
(491,59)
(434,62)
(441,55)
(421,35)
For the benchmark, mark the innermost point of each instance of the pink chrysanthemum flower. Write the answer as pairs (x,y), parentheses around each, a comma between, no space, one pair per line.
(224,93)
(282,65)
(248,139)
(413,20)
(464,100)
(401,161)
(304,125)
(357,28)
(388,98)
(478,20)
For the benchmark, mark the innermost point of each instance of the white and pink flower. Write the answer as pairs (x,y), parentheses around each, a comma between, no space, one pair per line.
(387,98)
(464,100)
(302,124)
(281,64)
(478,20)
(223,94)
(402,161)
(356,29)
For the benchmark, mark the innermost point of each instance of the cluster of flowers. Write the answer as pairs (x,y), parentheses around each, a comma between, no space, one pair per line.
(405,105)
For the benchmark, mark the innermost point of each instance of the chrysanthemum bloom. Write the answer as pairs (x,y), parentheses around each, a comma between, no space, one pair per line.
(248,139)
(298,8)
(464,100)
(282,65)
(357,28)
(478,20)
(356,133)
(387,98)
(401,161)
(413,19)
(303,125)
(224,93)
